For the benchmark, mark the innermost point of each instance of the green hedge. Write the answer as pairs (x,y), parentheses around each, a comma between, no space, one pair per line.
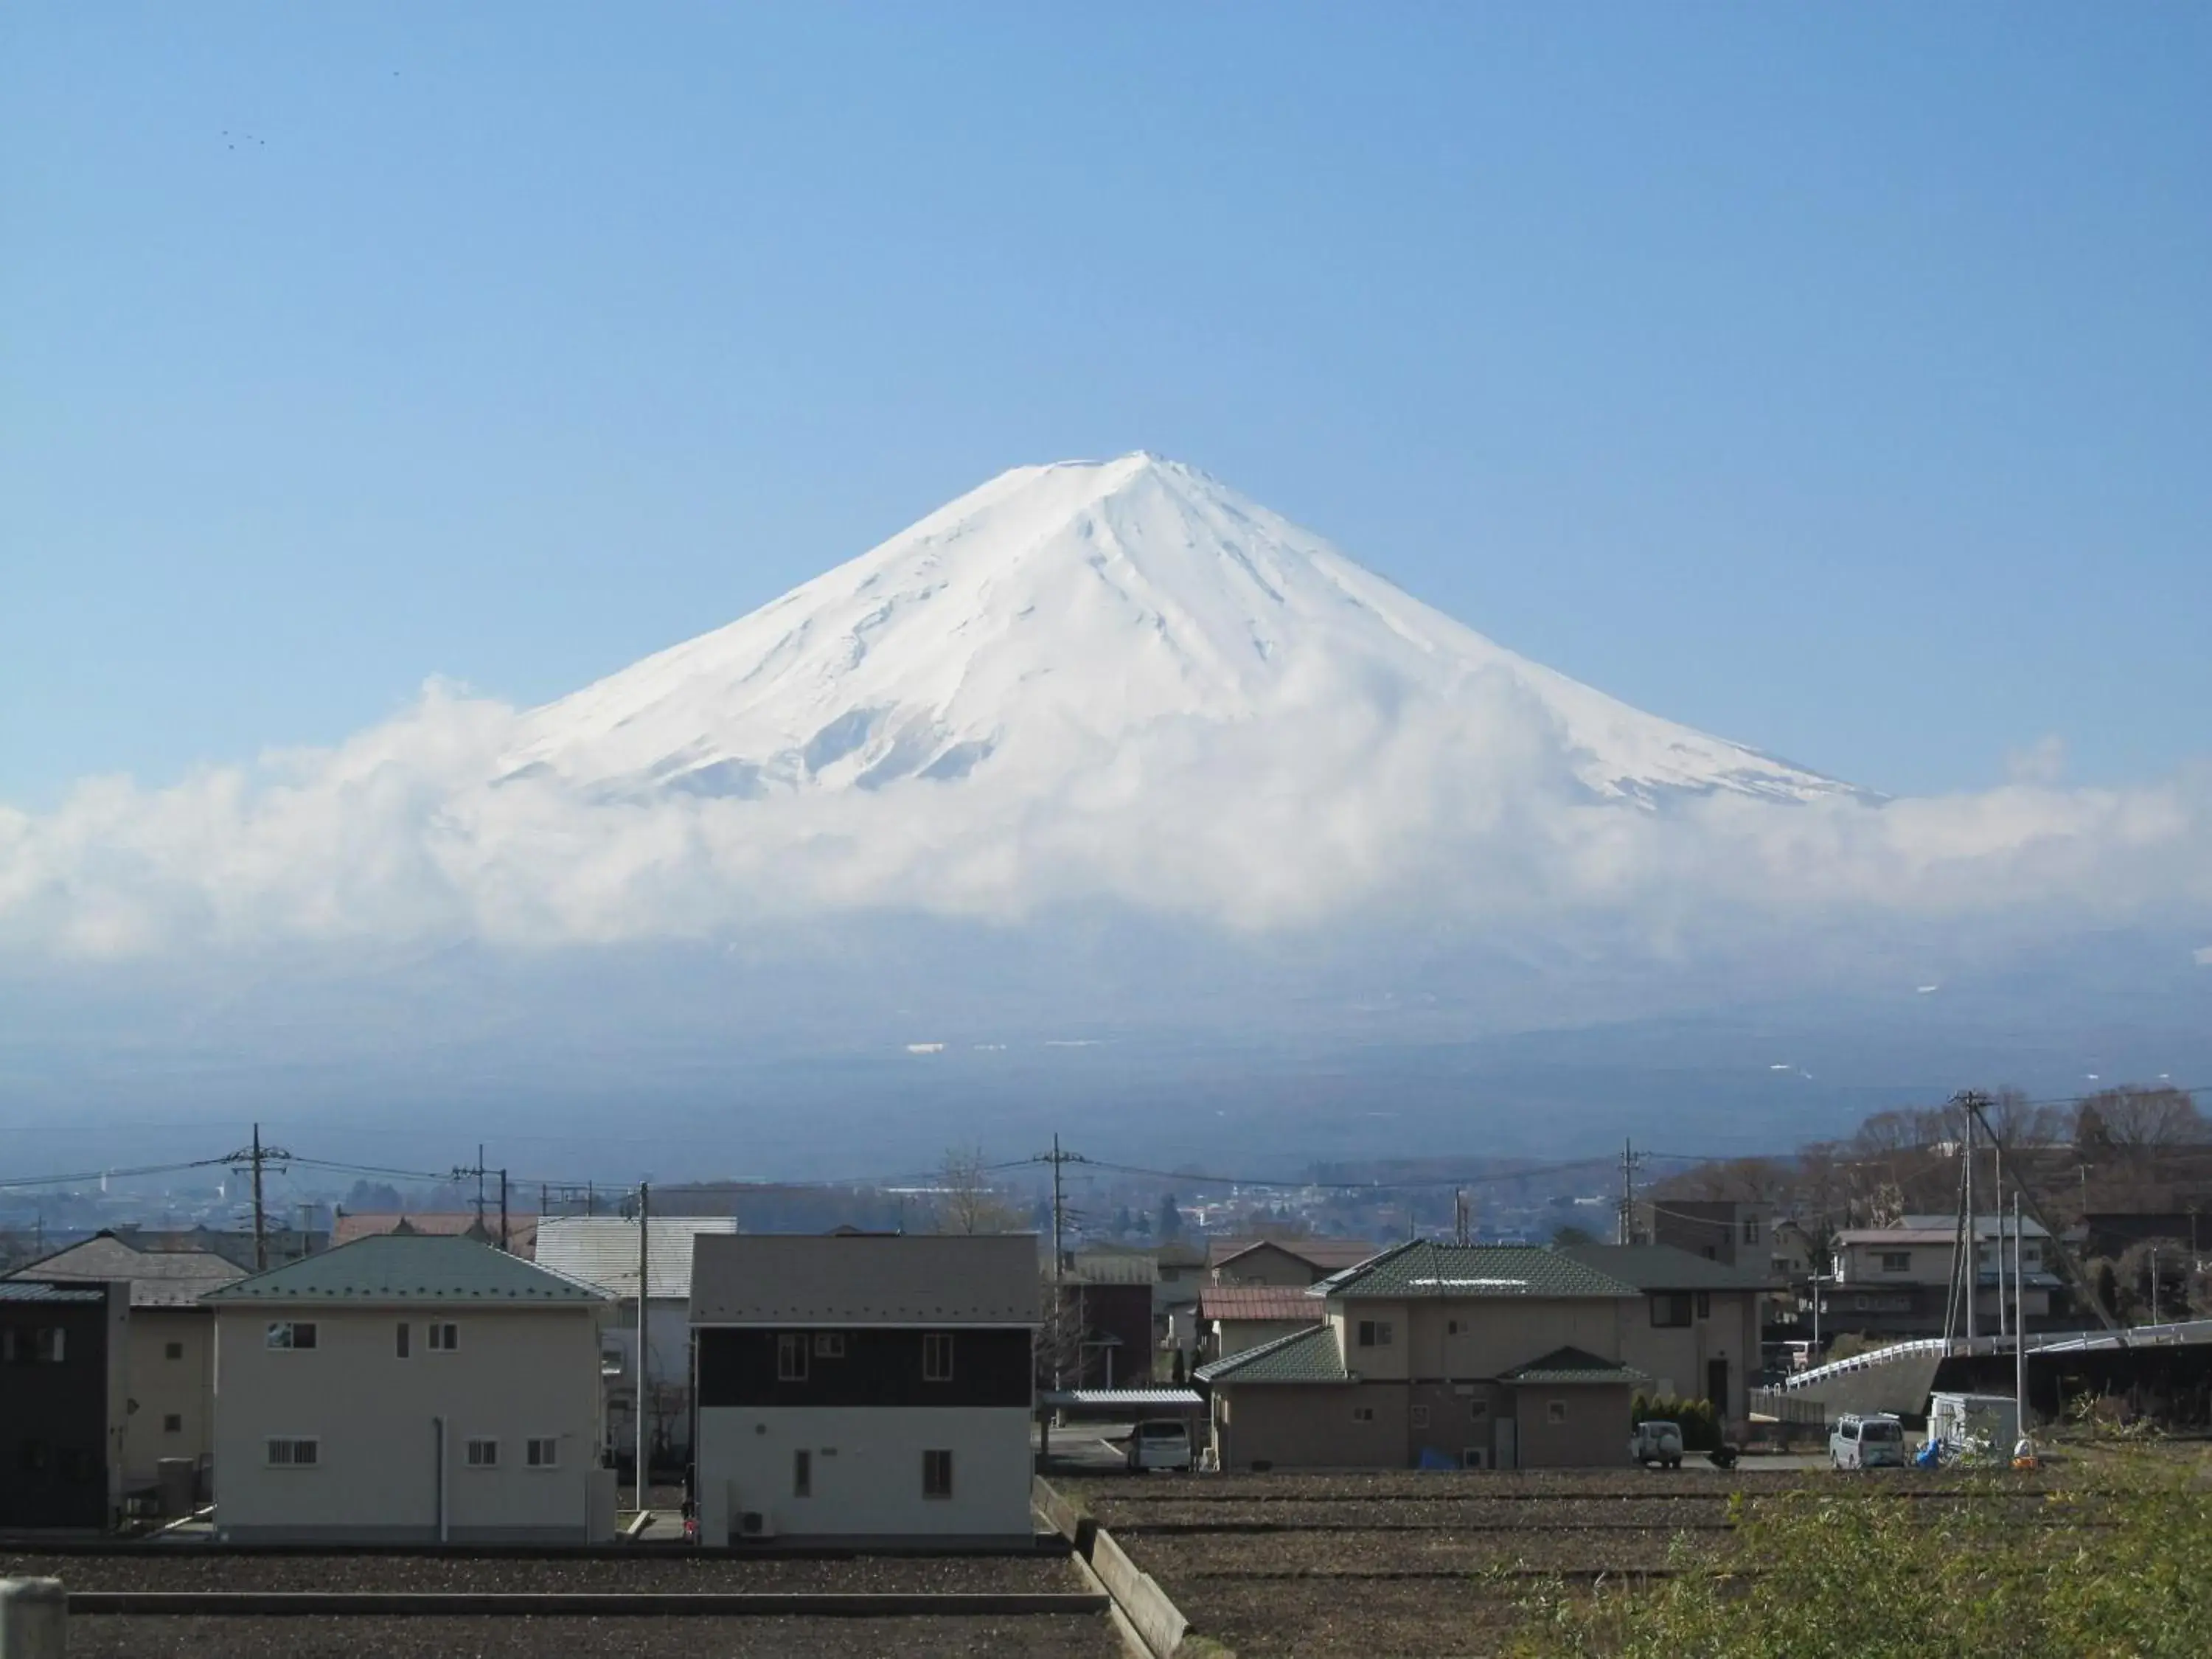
(1700,1423)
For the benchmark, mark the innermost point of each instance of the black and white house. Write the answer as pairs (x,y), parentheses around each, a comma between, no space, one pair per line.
(863,1386)
(64,1404)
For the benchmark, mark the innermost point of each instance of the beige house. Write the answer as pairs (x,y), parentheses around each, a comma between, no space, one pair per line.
(1290,1262)
(170,1344)
(408,1388)
(1235,1317)
(1485,1357)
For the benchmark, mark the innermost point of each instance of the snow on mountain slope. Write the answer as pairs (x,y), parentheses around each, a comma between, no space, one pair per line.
(1060,613)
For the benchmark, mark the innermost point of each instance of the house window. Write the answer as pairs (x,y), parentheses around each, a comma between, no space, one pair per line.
(445,1339)
(172,1423)
(937,1475)
(830,1344)
(542,1452)
(403,1338)
(484,1454)
(1420,1417)
(294,1454)
(286,1333)
(1705,1304)
(937,1358)
(1670,1308)
(1555,1410)
(1374,1333)
(1751,1230)
(79,1463)
(1897,1261)
(1451,1327)
(790,1358)
(49,1343)
(1363,1414)
(172,1351)
(1477,1410)
(802,1473)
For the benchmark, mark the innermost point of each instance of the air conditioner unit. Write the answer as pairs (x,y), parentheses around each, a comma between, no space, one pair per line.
(1474,1457)
(755,1523)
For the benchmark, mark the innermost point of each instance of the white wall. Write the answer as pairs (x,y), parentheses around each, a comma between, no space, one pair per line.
(519,1373)
(866,1470)
(161,1388)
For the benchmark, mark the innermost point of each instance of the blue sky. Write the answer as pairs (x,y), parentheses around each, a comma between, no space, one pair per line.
(1839,381)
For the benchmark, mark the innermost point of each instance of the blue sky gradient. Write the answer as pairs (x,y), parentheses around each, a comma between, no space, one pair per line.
(1838,380)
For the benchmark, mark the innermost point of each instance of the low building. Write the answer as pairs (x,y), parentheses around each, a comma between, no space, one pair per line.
(410,1389)
(863,1387)
(1479,1356)
(1735,1232)
(172,1345)
(1700,1338)
(1896,1281)
(1288,1262)
(515,1233)
(64,1402)
(604,1250)
(1235,1317)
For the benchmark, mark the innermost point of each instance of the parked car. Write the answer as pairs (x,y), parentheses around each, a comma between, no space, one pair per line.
(1871,1442)
(1657,1442)
(1160,1444)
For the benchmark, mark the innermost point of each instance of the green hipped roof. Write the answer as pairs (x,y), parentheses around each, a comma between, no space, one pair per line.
(1574,1365)
(1307,1355)
(1422,1267)
(1667,1267)
(424,1267)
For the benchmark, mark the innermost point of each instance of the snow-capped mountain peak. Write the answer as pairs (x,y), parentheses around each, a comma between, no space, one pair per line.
(1059,613)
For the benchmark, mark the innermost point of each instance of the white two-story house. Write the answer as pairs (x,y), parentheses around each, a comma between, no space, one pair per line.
(410,1389)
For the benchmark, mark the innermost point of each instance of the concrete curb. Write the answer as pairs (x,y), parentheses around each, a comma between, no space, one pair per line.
(1143,1606)
(585,1603)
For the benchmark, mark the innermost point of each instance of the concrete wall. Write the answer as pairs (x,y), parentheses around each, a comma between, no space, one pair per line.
(1676,1357)
(1233,1336)
(1480,1337)
(162,1388)
(1309,1426)
(518,1374)
(866,1471)
(1593,1435)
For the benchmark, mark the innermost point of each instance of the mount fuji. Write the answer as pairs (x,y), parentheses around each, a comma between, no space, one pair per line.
(1060,614)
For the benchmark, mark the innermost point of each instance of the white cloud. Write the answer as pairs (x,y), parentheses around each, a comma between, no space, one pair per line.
(396,834)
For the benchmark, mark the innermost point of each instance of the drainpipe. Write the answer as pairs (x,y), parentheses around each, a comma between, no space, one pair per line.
(438,1429)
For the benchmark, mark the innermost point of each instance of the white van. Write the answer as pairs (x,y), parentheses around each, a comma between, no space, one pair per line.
(1875,1440)
(1160,1442)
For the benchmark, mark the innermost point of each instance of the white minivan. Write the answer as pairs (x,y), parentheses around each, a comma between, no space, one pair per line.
(1874,1441)
(1159,1443)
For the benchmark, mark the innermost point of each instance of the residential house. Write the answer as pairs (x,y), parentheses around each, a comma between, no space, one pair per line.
(1493,1356)
(604,1250)
(171,1343)
(409,1388)
(64,1402)
(1235,1317)
(1106,1304)
(1738,1233)
(515,1233)
(1181,1271)
(858,1386)
(1896,1281)
(277,1244)
(1286,1261)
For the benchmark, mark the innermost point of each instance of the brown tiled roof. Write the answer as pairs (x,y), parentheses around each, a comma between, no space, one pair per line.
(522,1229)
(1258,1302)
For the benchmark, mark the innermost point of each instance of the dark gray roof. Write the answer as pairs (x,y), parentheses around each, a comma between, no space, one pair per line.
(1569,1366)
(158,1278)
(32,1289)
(1307,1355)
(1667,1267)
(1422,1267)
(414,1267)
(865,1278)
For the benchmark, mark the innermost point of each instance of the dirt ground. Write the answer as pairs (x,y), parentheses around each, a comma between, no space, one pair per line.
(183,1568)
(1415,1565)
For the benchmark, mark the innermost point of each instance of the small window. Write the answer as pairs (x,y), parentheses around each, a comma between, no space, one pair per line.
(1477,1410)
(1897,1261)
(830,1344)
(1451,1327)
(484,1454)
(1375,1334)
(802,1473)
(1751,1230)
(172,1423)
(1705,1304)
(937,1358)
(80,1463)
(403,1338)
(50,1346)
(172,1351)
(1363,1414)
(791,1358)
(1555,1410)
(1420,1416)
(543,1452)
(294,1454)
(445,1339)
(1670,1308)
(287,1333)
(937,1475)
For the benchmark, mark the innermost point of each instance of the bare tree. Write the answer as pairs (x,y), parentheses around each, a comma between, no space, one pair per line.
(966,1201)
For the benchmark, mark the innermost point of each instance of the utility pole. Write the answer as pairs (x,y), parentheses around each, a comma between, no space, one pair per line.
(1461,1217)
(504,1243)
(2018,1337)
(480,1187)
(1996,1160)
(1972,1244)
(254,1156)
(1058,1260)
(644,1264)
(1628,1160)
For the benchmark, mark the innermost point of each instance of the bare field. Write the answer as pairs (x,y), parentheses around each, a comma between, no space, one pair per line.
(1417,1565)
